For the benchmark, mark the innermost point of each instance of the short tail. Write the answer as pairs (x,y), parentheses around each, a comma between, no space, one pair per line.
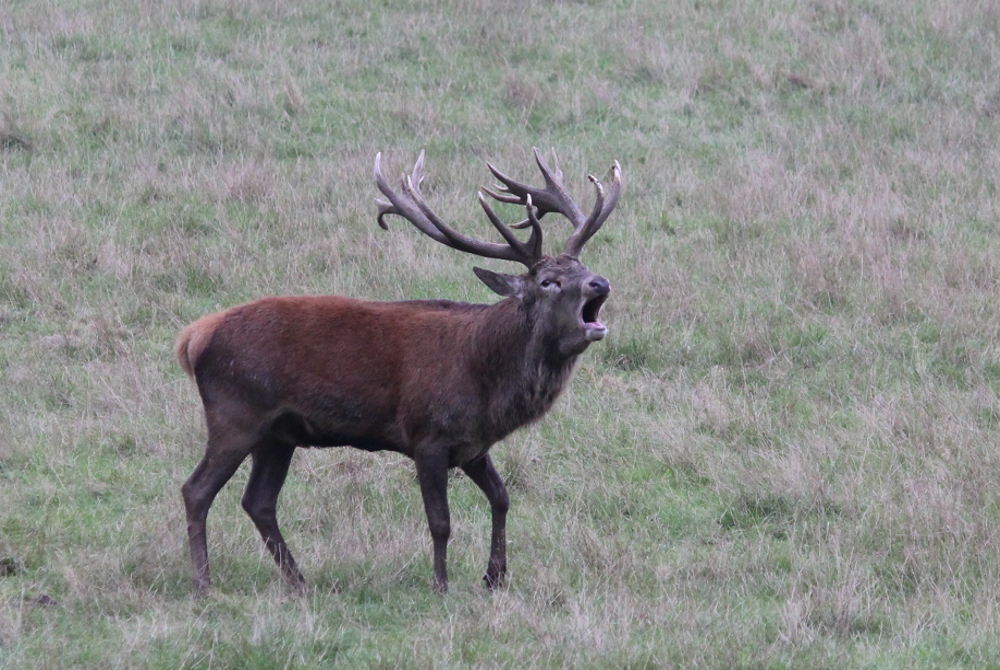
(193,339)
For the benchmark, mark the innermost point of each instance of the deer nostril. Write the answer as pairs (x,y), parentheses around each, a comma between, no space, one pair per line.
(600,285)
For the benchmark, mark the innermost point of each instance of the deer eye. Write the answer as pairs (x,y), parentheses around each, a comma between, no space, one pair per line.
(550,284)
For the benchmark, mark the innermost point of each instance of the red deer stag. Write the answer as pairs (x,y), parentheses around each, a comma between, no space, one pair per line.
(437,381)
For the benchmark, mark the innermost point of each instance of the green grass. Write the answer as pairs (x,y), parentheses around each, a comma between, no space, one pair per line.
(783,456)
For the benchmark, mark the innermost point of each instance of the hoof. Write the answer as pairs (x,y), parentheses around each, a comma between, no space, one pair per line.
(493,582)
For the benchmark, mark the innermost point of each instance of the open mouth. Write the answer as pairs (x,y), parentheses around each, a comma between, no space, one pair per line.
(590,313)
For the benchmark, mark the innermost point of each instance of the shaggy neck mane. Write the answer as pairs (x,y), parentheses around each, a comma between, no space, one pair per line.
(521,374)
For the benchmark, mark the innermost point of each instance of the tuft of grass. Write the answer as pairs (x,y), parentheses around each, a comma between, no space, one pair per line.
(12,137)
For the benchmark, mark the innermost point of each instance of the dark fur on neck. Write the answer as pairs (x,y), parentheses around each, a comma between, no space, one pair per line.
(520,374)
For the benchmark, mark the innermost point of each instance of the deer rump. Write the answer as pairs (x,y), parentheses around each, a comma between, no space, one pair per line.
(436,380)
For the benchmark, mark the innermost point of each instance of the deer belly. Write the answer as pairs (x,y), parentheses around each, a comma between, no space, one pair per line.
(326,431)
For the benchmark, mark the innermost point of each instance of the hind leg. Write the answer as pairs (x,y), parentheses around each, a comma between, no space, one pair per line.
(270,467)
(199,491)
(230,441)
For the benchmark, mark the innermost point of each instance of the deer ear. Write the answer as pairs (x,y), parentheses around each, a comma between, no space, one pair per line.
(505,285)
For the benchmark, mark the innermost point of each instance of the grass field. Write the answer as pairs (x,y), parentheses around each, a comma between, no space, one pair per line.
(785,455)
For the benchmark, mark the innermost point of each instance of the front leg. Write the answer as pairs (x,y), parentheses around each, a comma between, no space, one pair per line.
(486,477)
(432,473)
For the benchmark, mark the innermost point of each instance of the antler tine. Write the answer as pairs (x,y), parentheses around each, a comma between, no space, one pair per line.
(512,199)
(401,206)
(535,239)
(603,206)
(411,206)
(553,198)
(533,247)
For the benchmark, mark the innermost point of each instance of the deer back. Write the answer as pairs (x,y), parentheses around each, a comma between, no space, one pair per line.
(330,371)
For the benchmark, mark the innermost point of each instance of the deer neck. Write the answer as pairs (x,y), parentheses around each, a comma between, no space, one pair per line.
(522,373)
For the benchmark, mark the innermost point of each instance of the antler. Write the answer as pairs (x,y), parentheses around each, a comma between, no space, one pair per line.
(410,205)
(554,198)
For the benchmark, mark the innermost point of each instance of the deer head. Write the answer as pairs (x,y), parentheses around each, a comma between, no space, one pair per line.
(560,293)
